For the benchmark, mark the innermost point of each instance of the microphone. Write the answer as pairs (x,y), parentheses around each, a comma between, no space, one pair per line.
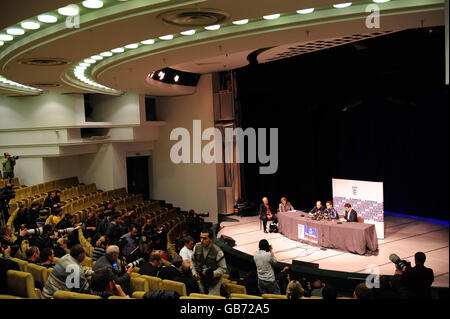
(394,258)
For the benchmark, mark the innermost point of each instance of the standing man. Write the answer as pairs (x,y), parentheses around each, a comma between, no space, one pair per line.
(8,164)
(208,264)
(419,278)
(350,214)
(265,213)
(265,260)
(330,211)
(186,252)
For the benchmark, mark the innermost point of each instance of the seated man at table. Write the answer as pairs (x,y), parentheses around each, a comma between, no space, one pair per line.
(318,209)
(330,211)
(350,214)
(265,213)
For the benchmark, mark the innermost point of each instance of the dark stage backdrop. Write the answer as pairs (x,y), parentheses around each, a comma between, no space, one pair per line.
(377,111)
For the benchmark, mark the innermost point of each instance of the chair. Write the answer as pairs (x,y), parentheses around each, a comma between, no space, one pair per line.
(273,296)
(234,288)
(61,294)
(120,297)
(21,284)
(189,297)
(39,273)
(138,284)
(138,294)
(22,263)
(179,287)
(244,296)
(195,295)
(154,283)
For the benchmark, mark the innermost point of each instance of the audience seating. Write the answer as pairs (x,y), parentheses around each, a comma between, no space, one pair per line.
(234,288)
(39,273)
(243,296)
(179,287)
(138,294)
(273,296)
(154,283)
(119,297)
(203,296)
(22,263)
(138,284)
(61,294)
(20,284)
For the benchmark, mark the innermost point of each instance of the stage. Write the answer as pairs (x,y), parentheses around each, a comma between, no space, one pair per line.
(404,236)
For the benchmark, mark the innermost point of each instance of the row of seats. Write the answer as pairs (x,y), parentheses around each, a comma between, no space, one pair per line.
(3,182)
(44,188)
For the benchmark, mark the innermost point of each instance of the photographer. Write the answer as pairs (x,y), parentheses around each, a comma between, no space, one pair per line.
(113,232)
(265,261)
(195,223)
(6,194)
(8,163)
(398,280)
(419,278)
(5,239)
(129,242)
(208,264)
(44,240)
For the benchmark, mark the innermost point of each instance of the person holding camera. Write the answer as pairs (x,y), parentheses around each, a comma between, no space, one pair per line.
(152,267)
(6,240)
(419,278)
(208,263)
(8,163)
(265,261)
(129,241)
(6,193)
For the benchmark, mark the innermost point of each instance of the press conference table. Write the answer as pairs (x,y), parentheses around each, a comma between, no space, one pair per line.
(357,238)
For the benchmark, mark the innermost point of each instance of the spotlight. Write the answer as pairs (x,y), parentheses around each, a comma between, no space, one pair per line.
(176,78)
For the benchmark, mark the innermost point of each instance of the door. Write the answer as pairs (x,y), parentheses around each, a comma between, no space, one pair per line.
(137,176)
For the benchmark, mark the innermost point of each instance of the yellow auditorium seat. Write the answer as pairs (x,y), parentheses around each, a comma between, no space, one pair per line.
(138,284)
(21,284)
(273,296)
(203,296)
(22,263)
(154,283)
(179,287)
(138,294)
(39,273)
(234,288)
(119,297)
(244,296)
(61,294)
(189,297)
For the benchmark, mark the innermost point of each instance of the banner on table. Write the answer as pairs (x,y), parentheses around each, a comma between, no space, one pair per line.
(308,233)
(366,199)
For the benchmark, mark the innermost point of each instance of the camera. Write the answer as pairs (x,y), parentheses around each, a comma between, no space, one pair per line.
(15,157)
(203,214)
(135,263)
(66,230)
(400,263)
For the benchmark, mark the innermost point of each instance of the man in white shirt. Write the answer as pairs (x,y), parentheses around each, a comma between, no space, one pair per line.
(186,252)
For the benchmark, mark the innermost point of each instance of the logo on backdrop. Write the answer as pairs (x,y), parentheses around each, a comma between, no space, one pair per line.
(355,190)
(213,152)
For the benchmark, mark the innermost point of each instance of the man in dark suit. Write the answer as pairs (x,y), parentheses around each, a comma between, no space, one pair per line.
(152,267)
(171,272)
(419,278)
(350,214)
(265,213)
(187,278)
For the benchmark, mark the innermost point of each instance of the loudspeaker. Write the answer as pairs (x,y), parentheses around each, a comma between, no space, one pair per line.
(305,264)
(228,240)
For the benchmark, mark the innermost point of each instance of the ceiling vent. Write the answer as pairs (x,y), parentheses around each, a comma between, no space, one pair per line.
(44,61)
(194,17)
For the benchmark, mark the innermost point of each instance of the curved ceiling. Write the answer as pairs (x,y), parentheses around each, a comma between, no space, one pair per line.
(83,43)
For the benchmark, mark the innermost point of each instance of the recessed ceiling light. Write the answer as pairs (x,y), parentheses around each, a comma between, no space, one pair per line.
(89,61)
(381,1)
(105,54)
(15,31)
(29,25)
(70,10)
(1,43)
(149,41)
(47,18)
(305,11)
(92,4)
(342,5)
(166,37)
(97,57)
(188,32)
(272,16)
(239,22)
(132,46)
(213,27)
(84,64)
(176,78)
(118,50)
(6,37)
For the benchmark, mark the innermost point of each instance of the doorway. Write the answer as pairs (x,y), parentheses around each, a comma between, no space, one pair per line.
(138,176)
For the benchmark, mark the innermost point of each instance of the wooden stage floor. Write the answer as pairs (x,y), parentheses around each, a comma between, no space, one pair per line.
(404,236)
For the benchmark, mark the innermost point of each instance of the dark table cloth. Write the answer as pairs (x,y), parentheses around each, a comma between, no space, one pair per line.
(357,238)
